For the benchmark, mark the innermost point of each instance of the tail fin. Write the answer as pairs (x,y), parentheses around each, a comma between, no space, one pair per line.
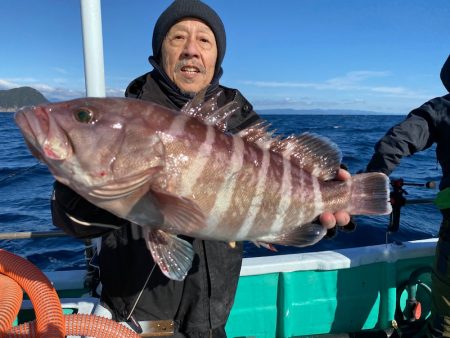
(370,195)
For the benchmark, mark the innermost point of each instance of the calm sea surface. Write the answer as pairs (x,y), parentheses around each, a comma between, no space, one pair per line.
(25,192)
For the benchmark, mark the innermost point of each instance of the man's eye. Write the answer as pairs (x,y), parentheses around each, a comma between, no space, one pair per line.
(177,40)
(84,116)
(205,44)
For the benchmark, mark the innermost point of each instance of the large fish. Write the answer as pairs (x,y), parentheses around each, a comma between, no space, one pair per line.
(180,173)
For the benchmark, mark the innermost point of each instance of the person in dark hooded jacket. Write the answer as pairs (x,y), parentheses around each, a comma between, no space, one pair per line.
(424,126)
(188,48)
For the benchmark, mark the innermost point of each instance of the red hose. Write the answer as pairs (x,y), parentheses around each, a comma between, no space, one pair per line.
(80,325)
(11,296)
(45,300)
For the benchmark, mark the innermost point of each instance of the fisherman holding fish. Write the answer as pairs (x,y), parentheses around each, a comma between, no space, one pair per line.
(177,175)
(424,126)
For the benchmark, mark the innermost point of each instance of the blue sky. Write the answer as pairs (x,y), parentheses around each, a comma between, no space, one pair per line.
(378,55)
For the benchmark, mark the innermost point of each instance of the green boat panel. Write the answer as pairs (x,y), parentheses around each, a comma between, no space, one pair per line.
(256,314)
(346,300)
(328,292)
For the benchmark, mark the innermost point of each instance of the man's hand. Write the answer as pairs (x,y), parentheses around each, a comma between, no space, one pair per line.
(340,218)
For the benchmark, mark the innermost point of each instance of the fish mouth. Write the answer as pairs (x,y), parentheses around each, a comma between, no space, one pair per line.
(42,134)
(118,188)
(30,128)
(22,121)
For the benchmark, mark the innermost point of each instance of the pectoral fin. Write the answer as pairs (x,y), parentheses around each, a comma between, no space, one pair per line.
(180,214)
(172,254)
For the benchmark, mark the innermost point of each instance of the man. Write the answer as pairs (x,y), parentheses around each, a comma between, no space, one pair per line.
(188,48)
(428,124)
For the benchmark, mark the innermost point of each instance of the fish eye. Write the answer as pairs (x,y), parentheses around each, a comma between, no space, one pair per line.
(84,116)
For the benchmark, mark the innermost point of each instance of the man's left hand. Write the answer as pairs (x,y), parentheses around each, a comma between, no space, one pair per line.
(340,218)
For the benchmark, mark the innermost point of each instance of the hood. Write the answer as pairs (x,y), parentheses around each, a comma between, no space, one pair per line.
(445,74)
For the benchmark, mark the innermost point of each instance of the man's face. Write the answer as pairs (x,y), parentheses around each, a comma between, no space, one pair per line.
(189,54)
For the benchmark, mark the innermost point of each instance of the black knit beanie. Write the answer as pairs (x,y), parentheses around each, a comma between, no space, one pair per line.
(181,9)
(445,74)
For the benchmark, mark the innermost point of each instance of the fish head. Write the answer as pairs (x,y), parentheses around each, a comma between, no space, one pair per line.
(102,147)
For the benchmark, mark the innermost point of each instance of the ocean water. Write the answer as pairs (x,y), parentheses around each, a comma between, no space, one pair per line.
(25,190)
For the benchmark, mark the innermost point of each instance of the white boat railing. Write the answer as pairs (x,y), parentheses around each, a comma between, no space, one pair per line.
(339,258)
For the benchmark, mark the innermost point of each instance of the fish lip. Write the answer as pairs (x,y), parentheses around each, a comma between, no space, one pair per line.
(27,116)
(22,119)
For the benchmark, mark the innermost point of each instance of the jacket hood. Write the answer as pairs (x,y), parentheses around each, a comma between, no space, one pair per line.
(445,74)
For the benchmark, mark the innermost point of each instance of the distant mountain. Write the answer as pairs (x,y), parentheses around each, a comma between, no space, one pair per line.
(319,112)
(12,99)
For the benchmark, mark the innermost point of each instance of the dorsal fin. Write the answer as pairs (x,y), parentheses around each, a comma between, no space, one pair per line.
(195,104)
(208,112)
(313,153)
(260,134)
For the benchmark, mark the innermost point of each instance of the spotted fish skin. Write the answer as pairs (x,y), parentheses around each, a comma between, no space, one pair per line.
(181,173)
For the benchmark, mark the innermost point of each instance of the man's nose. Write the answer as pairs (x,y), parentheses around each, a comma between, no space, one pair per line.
(191,48)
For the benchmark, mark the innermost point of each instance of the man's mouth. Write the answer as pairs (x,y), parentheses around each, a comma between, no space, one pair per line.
(190,70)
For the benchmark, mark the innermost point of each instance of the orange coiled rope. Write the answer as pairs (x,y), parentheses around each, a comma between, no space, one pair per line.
(50,321)
(45,300)
(11,296)
(79,324)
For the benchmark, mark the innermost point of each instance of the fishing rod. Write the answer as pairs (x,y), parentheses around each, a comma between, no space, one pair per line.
(398,200)
(91,279)
(31,234)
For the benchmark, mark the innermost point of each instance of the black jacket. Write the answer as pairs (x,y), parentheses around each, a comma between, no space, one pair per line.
(428,124)
(203,300)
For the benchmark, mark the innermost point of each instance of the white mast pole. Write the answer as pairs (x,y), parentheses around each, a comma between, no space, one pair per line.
(94,70)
